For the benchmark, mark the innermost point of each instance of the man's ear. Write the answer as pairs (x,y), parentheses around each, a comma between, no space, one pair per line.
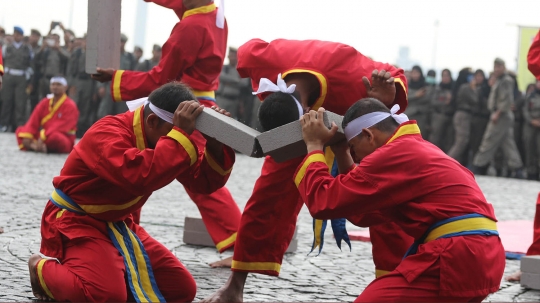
(152,121)
(369,135)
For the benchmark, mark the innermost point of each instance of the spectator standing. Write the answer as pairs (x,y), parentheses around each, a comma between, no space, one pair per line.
(531,132)
(499,132)
(517,108)
(84,87)
(481,113)
(137,53)
(466,102)
(50,61)
(148,64)
(230,83)
(33,95)
(17,63)
(419,100)
(442,112)
(107,106)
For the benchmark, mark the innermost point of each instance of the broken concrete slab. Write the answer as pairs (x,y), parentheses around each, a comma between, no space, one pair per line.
(530,264)
(103,35)
(230,132)
(195,233)
(285,142)
(530,280)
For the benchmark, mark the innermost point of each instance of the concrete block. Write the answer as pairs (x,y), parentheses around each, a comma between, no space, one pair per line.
(195,233)
(103,35)
(230,132)
(529,280)
(285,142)
(530,264)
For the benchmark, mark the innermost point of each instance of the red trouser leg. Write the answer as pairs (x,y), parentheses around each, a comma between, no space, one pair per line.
(389,245)
(92,270)
(269,219)
(59,143)
(220,215)
(173,280)
(219,211)
(393,287)
(534,249)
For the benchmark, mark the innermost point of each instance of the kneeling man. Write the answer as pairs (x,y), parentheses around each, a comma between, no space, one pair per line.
(91,249)
(51,127)
(457,254)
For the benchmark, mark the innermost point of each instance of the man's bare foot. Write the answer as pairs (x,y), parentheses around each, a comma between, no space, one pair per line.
(515,277)
(34,279)
(227,262)
(224,294)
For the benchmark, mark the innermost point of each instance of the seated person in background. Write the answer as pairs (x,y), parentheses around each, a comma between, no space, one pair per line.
(91,247)
(51,127)
(457,254)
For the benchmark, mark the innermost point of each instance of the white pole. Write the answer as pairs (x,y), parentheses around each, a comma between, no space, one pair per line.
(140,24)
(434,54)
(70,23)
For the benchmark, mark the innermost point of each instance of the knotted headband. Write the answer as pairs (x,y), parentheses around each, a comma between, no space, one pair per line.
(355,127)
(265,85)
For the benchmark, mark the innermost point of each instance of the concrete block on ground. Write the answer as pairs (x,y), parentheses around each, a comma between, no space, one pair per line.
(230,132)
(103,35)
(530,264)
(285,142)
(529,280)
(195,233)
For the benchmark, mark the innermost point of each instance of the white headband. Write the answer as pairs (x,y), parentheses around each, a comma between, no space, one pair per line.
(265,85)
(163,114)
(220,17)
(354,128)
(60,80)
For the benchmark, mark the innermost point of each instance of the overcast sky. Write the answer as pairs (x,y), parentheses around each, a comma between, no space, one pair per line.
(470,32)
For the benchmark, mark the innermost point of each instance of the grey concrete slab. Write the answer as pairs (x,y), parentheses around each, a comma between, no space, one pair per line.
(530,280)
(285,142)
(229,131)
(530,264)
(103,35)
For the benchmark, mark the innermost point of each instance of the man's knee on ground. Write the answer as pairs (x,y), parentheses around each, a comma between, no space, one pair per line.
(58,143)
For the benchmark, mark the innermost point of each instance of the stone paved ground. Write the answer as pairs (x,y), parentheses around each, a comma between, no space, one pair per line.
(25,183)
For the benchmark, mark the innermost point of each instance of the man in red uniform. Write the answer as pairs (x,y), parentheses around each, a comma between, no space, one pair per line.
(193,54)
(52,125)
(91,248)
(328,74)
(457,255)
(533,59)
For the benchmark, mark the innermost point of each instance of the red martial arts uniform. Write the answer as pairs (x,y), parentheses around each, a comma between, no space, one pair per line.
(1,63)
(193,54)
(109,175)
(275,203)
(533,58)
(414,184)
(55,125)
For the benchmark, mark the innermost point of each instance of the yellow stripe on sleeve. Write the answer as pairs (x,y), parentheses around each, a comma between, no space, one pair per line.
(117,80)
(214,165)
(318,157)
(186,143)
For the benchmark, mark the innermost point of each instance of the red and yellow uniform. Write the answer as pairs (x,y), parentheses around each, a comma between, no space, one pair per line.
(1,63)
(109,175)
(55,124)
(533,57)
(275,203)
(460,256)
(193,54)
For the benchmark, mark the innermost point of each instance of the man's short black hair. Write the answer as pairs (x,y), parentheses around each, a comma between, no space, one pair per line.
(169,96)
(278,109)
(370,105)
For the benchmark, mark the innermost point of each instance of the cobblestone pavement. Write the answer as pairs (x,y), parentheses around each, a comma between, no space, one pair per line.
(25,184)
